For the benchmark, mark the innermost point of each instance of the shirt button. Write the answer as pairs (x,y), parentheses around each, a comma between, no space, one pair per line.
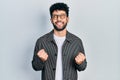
(54,68)
(55,54)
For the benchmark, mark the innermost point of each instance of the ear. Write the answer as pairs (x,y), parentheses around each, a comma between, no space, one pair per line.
(67,19)
(51,20)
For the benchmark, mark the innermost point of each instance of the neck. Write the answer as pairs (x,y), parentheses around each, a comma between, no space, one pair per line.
(60,33)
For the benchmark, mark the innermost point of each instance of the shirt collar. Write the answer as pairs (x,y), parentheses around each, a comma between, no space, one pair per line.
(68,36)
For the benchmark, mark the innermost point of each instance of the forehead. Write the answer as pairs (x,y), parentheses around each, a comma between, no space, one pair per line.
(59,12)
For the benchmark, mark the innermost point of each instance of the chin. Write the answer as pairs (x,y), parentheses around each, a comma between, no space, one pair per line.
(59,29)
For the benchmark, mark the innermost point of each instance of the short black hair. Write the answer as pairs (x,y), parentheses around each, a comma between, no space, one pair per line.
(59,6)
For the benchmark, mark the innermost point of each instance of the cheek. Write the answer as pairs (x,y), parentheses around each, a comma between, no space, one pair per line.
(66,21)
(53,21)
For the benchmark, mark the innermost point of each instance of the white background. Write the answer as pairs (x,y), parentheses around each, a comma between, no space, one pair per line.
(96,22)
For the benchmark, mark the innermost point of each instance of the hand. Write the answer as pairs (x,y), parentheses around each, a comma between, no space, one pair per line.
(42,55)
(80,58)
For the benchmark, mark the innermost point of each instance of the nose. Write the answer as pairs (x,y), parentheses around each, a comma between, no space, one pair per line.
(58,18)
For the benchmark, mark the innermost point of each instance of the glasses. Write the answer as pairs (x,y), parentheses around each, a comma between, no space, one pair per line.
(62,16)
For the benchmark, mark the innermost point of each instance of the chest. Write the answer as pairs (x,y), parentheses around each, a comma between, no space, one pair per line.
(69,50)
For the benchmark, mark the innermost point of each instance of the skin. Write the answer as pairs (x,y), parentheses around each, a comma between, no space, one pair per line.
(60,24)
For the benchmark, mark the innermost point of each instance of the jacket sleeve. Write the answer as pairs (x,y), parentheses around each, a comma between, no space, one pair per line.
(82,66)
(37,63)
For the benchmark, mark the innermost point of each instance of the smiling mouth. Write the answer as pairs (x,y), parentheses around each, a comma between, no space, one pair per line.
(59,23)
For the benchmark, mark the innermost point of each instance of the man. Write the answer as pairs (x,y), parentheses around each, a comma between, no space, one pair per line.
(59,54)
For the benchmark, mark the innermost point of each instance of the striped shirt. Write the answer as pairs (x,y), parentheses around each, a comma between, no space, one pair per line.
(70,49)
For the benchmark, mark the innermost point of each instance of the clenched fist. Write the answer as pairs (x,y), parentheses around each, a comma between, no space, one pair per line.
(42,55)
(80,58)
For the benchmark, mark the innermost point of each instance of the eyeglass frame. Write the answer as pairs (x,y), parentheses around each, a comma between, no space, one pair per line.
(62,16)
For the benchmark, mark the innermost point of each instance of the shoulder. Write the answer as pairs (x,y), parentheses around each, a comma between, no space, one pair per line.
(74,37)
(44,37)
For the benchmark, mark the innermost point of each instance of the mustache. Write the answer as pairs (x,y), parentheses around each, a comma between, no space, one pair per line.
(59,21)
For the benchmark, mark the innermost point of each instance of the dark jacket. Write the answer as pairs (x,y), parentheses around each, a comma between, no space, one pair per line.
(71,47)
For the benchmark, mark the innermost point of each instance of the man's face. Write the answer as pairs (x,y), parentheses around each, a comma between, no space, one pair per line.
(59,20)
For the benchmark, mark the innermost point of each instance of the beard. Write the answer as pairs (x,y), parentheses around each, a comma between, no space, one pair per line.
(59,29)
